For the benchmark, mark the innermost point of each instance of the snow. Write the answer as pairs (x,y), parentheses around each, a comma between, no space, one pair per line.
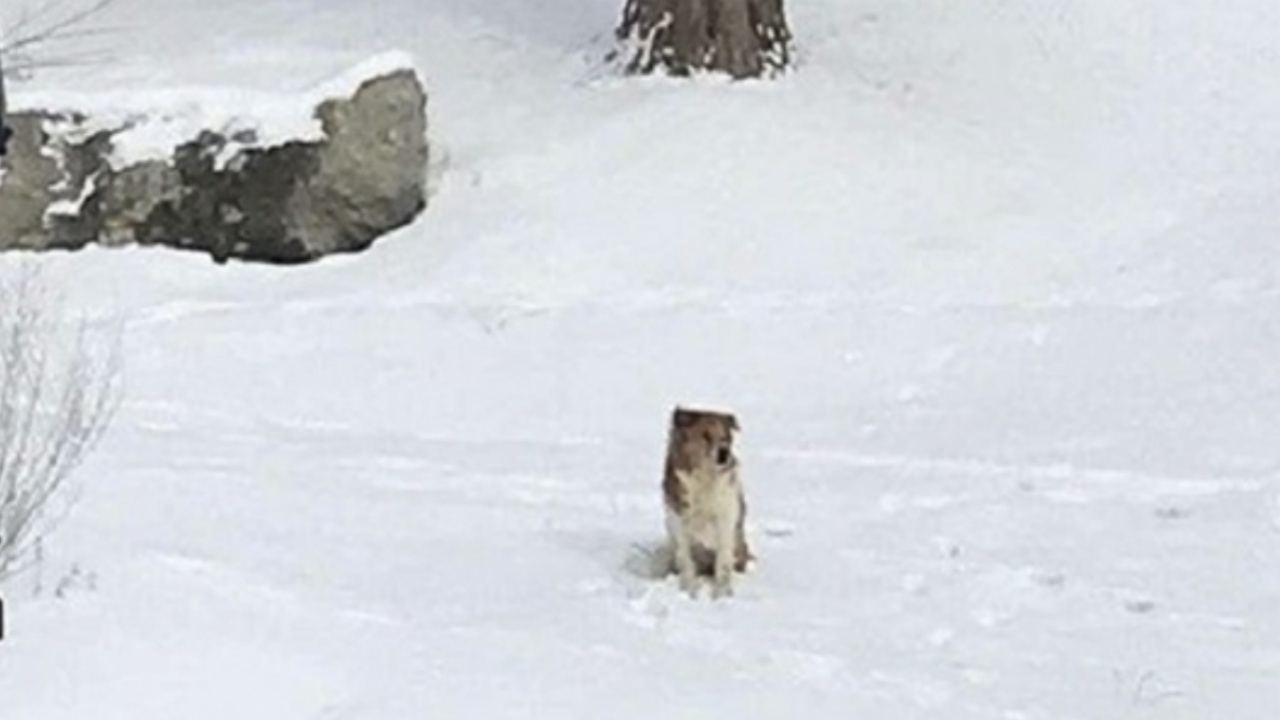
(381,65)
(148,125)
(990,285)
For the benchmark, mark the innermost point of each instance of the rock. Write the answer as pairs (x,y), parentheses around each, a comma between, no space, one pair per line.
(26,185)
(44,181)
(133,195)
(290,202)
(372,171)
(39,182)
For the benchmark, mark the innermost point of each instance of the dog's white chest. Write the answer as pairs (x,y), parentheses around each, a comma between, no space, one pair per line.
(712,502)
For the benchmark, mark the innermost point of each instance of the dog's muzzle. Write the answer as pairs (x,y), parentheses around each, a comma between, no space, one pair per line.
(724,456)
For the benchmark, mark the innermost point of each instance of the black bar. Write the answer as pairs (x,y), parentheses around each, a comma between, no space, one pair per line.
(5,132)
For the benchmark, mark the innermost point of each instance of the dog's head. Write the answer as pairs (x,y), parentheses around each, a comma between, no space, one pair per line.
(703,438)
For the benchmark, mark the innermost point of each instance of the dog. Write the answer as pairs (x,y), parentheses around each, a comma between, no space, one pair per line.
(706,508)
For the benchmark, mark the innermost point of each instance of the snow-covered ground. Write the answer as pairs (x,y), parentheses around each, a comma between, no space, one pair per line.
(992,286)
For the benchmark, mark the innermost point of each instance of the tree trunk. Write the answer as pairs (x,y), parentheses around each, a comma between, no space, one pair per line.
(744,38)
(4,126)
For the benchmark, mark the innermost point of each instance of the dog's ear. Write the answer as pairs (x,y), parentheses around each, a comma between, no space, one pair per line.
(683,419)
(733,422)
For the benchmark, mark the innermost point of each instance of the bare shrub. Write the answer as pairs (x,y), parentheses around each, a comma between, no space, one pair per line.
(47,33)
(59,384)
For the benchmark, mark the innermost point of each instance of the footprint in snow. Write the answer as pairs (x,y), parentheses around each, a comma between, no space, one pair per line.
(807,666)
(947,547)
(779,530)
(648,609)
(1140,605)
(1172,512)
(915,584)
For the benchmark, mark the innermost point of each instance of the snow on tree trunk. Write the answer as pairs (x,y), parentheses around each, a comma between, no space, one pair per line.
(744,38)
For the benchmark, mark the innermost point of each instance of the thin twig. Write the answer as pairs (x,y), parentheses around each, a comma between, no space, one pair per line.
(57,396)
(49,23)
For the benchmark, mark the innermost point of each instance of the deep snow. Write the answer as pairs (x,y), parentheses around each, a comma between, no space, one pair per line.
(990,284)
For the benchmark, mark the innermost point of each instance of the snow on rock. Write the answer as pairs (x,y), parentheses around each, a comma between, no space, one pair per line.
(346,84)
(147,123)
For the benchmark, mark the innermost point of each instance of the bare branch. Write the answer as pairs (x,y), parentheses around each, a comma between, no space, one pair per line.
(46,24)
(58,393)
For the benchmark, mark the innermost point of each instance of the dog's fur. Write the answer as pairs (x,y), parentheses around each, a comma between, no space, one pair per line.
(705,506)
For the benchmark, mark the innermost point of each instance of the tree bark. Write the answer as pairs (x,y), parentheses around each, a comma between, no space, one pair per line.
(4,126)
(744,38)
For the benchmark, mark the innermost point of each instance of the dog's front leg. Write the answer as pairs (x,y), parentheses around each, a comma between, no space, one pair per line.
(682,555)
(726,537)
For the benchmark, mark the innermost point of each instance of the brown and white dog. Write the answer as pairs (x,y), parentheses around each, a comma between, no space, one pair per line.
(706,508)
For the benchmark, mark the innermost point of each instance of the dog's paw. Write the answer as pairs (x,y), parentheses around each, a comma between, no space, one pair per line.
(721,588)
(689,584)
